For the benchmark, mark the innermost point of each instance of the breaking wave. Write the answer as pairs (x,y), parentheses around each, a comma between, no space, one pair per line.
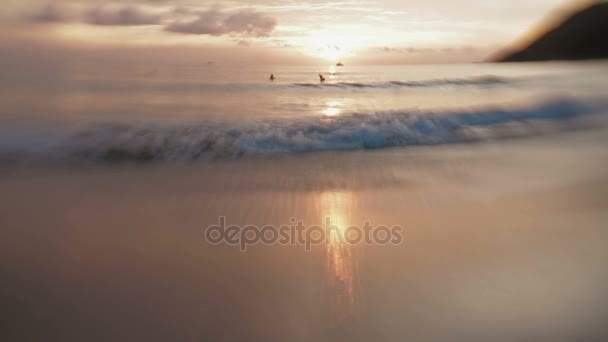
(210,140)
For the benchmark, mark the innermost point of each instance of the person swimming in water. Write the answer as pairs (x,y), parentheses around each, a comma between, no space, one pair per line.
(272,77)
(321,78)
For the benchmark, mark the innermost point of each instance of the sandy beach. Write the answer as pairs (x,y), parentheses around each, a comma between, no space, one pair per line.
(503,241)
(299,171)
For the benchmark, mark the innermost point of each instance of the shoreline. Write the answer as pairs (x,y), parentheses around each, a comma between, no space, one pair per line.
(502,241)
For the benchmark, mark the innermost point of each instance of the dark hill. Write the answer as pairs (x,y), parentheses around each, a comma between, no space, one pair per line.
(584,35)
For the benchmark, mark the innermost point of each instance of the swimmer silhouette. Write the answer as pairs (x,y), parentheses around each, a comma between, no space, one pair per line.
(272,77)
(321,78)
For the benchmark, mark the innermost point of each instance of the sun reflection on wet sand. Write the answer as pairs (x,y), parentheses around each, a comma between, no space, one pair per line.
(341,268)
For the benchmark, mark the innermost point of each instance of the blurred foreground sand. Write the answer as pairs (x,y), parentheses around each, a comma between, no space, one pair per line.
(504,241)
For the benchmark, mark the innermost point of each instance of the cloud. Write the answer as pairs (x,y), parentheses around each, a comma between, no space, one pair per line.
(250,21)
(281,43)
(50,13)
(125,16)
(216,23)
(418,50)
(410,50)
(208,22)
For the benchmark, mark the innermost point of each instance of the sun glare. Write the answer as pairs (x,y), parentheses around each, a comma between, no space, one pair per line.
(333,48)
(332,53)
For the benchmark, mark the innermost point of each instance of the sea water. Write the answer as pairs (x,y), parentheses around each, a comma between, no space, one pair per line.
(87,113)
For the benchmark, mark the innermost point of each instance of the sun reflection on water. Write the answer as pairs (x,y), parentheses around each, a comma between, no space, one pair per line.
(340,263)
(333,108)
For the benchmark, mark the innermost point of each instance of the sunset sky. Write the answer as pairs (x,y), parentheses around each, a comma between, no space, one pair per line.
(382,31)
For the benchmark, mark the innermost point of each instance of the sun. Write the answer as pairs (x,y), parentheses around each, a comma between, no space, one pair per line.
(332,53)
(333,48)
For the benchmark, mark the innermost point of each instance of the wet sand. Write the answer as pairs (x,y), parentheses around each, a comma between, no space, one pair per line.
(504,241)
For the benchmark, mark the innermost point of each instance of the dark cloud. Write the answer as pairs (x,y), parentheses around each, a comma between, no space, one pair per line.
(125,16)
(50,13)
(216,23)
(181,10)
(249,21)
(208,22)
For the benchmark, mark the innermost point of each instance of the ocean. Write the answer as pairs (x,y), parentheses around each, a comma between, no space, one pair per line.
(490,179)
(87,113)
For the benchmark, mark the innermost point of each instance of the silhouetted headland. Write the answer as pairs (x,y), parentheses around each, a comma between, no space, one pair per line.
(581,36)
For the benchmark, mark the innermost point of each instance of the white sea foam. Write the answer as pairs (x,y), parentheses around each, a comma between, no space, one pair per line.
(209,140)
